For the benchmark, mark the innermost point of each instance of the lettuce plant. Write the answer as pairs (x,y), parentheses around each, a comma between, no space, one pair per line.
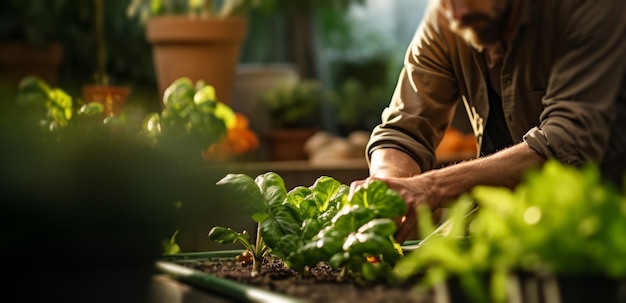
(561,220)
(308,225)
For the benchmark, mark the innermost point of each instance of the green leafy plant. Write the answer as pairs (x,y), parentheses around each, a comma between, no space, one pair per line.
(191,116)
(254,251)
(193,8)
(221,9)
(308,225)
(356,106)
(294,104)
(54,109)
(561,220)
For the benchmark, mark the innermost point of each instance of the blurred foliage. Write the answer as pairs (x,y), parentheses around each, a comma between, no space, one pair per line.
(101,194)
(290,6)
(357,106)
(296,103)
(562,220)
(191,118)
(54,110)
(97,185)
(145,9)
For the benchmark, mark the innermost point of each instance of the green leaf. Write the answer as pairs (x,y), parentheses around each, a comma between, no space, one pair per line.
(205,94)
(282,221)
(383,227)
(298,195)
(331,240)
(289,243)
(310,228)
(32,92)
(224,235)
(33,84)
(61,99)
(91,109)
(243,189)
(326,189)
(339,259)
(179,94)
(152,124)
(308,254)
(373,271)
(169,245)
(350,218)
(371,244)
(272,188)
(385,202)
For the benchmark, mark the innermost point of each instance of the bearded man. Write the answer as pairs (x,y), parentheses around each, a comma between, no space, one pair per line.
(539,79)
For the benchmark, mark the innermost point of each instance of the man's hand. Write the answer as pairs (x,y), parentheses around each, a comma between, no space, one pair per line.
(415,191)
(437,187)
(395,168)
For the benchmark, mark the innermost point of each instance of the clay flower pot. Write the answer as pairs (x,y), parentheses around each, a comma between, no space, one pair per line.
(112,97)
(200,49)
(19,60)
(287,144)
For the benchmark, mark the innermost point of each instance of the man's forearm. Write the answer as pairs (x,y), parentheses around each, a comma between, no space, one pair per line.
(390,162)
(504,168)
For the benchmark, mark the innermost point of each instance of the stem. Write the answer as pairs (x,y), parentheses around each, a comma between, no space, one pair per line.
(256,267)
(259,243)
(258,253)
(343,273)
(306,272)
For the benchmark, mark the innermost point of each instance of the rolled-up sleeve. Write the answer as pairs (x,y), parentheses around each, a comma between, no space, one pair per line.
(424,100)
(583,93)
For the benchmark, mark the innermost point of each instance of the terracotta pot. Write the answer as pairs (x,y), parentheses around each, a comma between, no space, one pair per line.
(200,49)
(288,144)
(112,97)
(20,59)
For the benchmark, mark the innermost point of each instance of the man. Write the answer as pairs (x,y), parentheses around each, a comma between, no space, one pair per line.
(539,79)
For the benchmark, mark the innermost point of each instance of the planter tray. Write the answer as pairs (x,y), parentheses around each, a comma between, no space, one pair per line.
(173,266)
(238,292)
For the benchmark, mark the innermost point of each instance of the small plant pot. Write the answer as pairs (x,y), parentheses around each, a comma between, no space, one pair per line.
(200,49)
(288,144)
(20,59)
(113,98)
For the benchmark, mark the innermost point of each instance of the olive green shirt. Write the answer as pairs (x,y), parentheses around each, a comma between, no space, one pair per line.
(563,85)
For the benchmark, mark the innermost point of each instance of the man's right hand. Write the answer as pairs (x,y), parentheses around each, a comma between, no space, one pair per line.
(394,167)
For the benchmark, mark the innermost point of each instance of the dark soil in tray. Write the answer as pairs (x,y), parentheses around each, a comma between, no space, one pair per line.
(324,285)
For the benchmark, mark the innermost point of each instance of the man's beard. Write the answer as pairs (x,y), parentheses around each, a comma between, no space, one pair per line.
(486,35)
